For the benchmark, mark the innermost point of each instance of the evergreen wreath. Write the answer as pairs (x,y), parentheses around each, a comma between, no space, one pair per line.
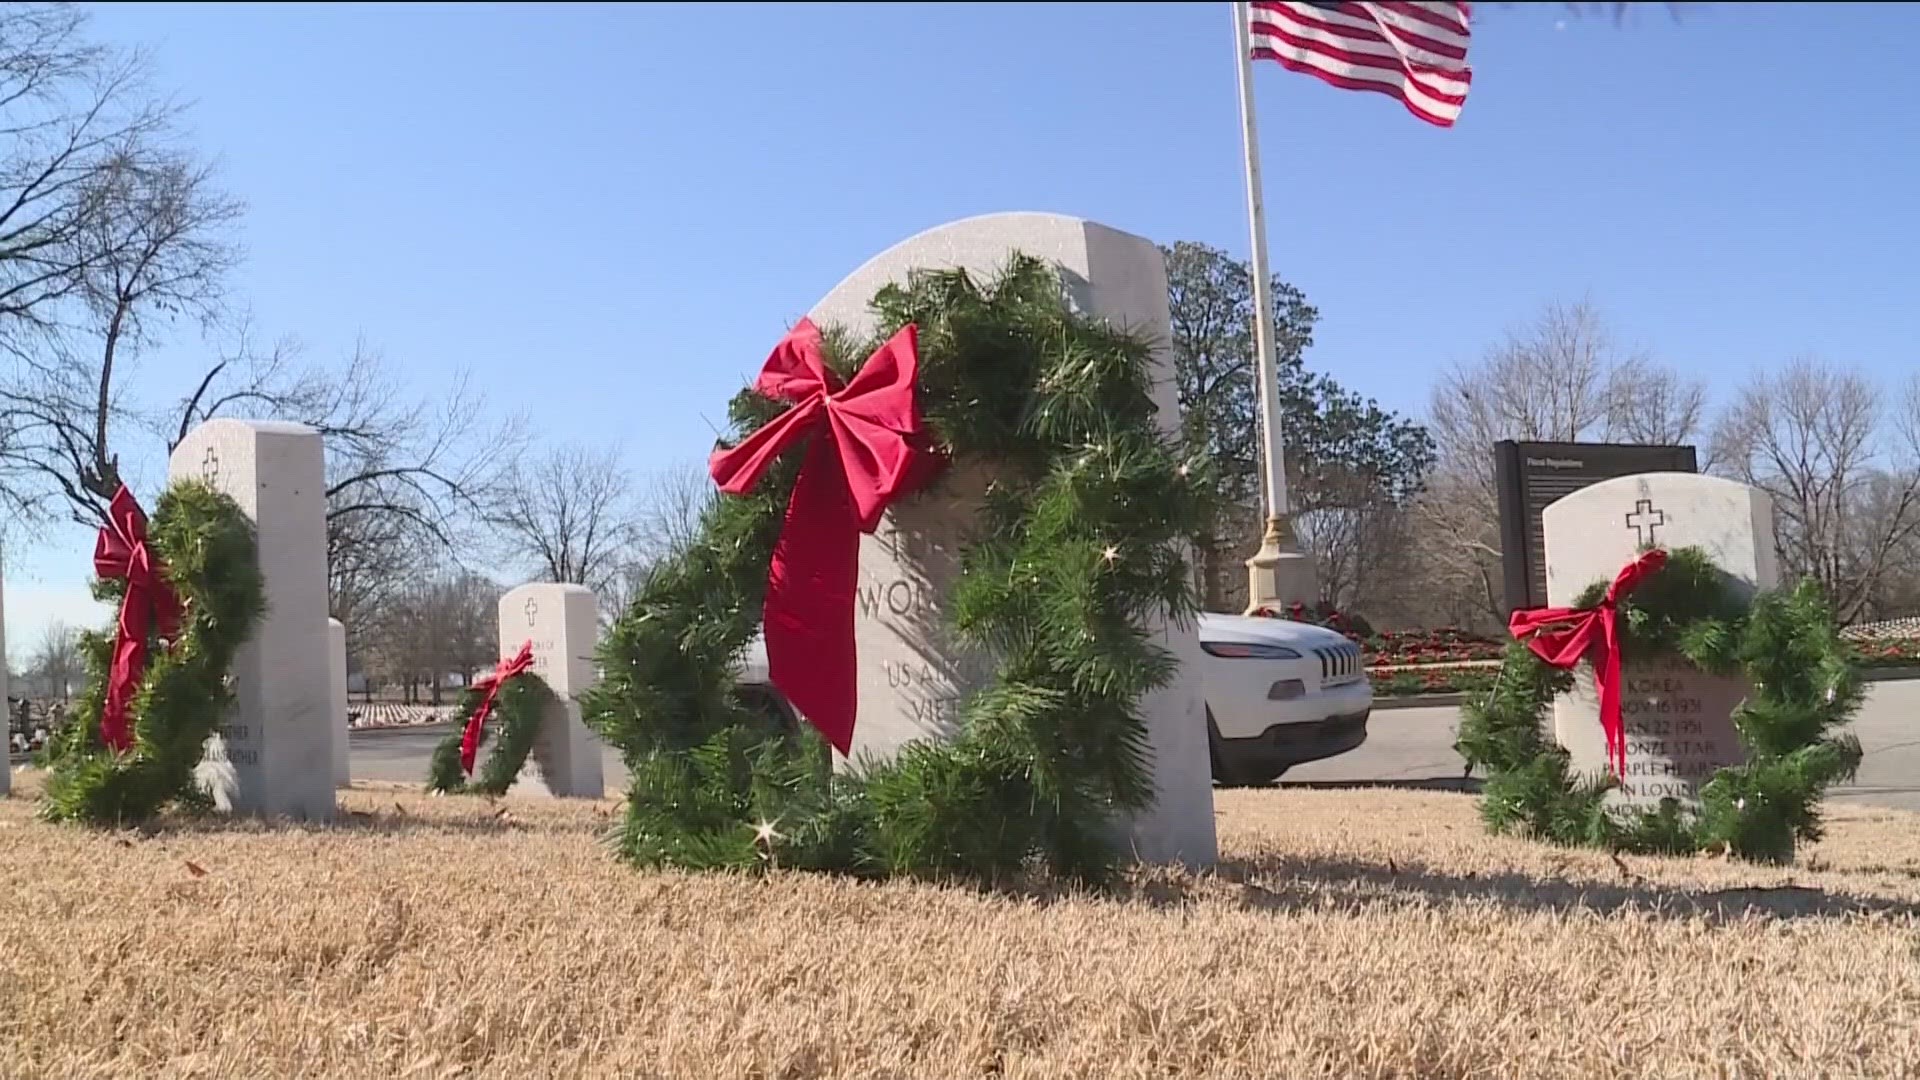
(1805,685)
(515,723)
(1081,541)
(205,546)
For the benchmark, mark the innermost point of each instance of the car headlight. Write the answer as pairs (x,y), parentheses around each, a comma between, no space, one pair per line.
(1234,650)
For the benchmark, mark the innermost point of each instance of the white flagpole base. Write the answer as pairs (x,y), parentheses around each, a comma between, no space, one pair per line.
(1280,574)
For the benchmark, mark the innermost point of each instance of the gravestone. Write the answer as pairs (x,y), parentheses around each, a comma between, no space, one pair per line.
(914,678)
(563,622)
(1677,719)
(276,749)
(337,700)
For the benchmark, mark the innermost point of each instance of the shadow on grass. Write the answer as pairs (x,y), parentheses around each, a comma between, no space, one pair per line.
(1470,785)
(481,821)
(1294,883)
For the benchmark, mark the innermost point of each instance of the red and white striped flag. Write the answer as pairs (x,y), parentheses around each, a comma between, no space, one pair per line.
(1416,52)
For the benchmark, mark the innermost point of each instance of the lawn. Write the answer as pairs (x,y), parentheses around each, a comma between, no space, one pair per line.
(1348,933)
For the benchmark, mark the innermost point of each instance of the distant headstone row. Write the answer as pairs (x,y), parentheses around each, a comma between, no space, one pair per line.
(283,750)
(286,738)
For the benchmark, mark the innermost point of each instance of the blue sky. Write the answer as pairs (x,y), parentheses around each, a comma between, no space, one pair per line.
(609,214)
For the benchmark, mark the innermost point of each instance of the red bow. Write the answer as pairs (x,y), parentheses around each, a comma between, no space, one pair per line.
(866,451)
(149,605)
(506,669)
(1596,630)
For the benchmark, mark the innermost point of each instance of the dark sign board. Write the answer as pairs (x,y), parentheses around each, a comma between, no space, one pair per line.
(1529,476)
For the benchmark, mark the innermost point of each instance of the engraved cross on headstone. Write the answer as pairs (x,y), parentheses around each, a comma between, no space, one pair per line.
(532,609)
(1644,520)
(210,466)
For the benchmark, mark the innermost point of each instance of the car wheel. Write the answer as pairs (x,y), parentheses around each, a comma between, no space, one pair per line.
(1224,774)
(1230,773)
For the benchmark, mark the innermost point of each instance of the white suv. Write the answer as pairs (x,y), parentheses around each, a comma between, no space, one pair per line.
(1279,694)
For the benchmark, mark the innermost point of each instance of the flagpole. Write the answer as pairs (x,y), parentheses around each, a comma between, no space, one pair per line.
(1278,573)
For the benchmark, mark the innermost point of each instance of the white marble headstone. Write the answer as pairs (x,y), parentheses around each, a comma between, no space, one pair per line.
(1677,719)
(337,700)
(912,677)
(563,622)
(278,742)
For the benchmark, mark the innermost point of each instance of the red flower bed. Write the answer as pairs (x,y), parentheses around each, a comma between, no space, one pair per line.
(1889,653)
(1445,645)
(1322,614)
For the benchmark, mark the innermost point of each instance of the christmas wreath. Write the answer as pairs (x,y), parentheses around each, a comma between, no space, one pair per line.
(1079,547)
(189,592)
(518,698)
(1804,686)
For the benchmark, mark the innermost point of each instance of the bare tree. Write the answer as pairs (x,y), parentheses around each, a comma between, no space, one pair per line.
(1562,378)
(442,624)
(1896,592)
(109,231)
(1548,381)
(1455,528)
(569,513)
(672,503)
(57,663)
(1355,536)
(107,228)
(1843,473)
(1650,405)
(404,472)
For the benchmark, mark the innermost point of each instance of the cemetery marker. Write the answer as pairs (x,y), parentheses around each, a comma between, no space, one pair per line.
(563,630)
(1678,720)
(914,677)
(1645,520)
(279,739)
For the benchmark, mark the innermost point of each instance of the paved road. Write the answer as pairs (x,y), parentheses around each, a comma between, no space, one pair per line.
(1416,746)
(401,754)
(1403,747)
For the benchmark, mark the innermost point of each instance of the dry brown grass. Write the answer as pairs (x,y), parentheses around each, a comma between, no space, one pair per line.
(1347,934)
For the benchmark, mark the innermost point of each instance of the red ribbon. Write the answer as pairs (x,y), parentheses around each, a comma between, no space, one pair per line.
(867,449)
(149,605)
(506,669)
(1562,636)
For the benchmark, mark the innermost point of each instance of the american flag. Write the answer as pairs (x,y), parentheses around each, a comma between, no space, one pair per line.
(1416,52)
